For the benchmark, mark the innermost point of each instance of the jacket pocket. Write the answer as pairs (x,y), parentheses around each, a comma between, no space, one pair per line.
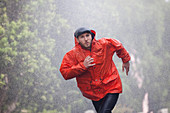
(84,87)
(109,79)
(83,83)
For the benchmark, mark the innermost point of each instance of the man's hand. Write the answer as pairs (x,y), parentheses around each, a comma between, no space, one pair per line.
(126,66)
(88,62)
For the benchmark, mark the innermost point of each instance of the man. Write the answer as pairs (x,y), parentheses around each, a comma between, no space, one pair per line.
(90,62)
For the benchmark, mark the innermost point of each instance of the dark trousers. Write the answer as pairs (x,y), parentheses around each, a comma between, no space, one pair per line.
(106,104)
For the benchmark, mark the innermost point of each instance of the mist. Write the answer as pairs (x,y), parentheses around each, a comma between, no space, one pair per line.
(35,35)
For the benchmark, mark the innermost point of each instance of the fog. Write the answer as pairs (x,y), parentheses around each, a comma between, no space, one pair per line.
(43,32)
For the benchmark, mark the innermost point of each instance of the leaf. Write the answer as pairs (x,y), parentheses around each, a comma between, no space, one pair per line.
(2,76)
(2,83)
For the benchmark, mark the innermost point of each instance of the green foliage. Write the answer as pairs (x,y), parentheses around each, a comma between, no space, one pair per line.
(2,82)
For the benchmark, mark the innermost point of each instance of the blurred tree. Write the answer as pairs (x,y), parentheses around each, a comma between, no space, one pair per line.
(30,57)
(25,60)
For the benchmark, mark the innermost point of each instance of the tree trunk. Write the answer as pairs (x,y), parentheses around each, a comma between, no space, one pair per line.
(3,91)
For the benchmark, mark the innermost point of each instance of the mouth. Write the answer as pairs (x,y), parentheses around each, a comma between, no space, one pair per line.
(87,43)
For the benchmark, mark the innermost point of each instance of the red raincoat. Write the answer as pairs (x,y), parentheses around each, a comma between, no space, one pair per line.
(96,81)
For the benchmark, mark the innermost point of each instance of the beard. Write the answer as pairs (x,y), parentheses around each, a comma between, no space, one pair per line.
(86,47)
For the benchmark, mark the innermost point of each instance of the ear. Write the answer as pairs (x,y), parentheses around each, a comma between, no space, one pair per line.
(77,40)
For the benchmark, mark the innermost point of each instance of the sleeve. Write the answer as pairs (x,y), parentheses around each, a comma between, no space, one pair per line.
(116,46)
(70,68)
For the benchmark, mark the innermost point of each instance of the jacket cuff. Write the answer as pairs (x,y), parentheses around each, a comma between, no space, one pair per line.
(126,59)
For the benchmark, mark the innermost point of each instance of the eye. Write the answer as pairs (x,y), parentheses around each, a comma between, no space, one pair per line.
(81,36)
(87,35)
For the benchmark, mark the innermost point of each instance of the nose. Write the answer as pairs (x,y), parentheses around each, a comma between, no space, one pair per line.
(85,38)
